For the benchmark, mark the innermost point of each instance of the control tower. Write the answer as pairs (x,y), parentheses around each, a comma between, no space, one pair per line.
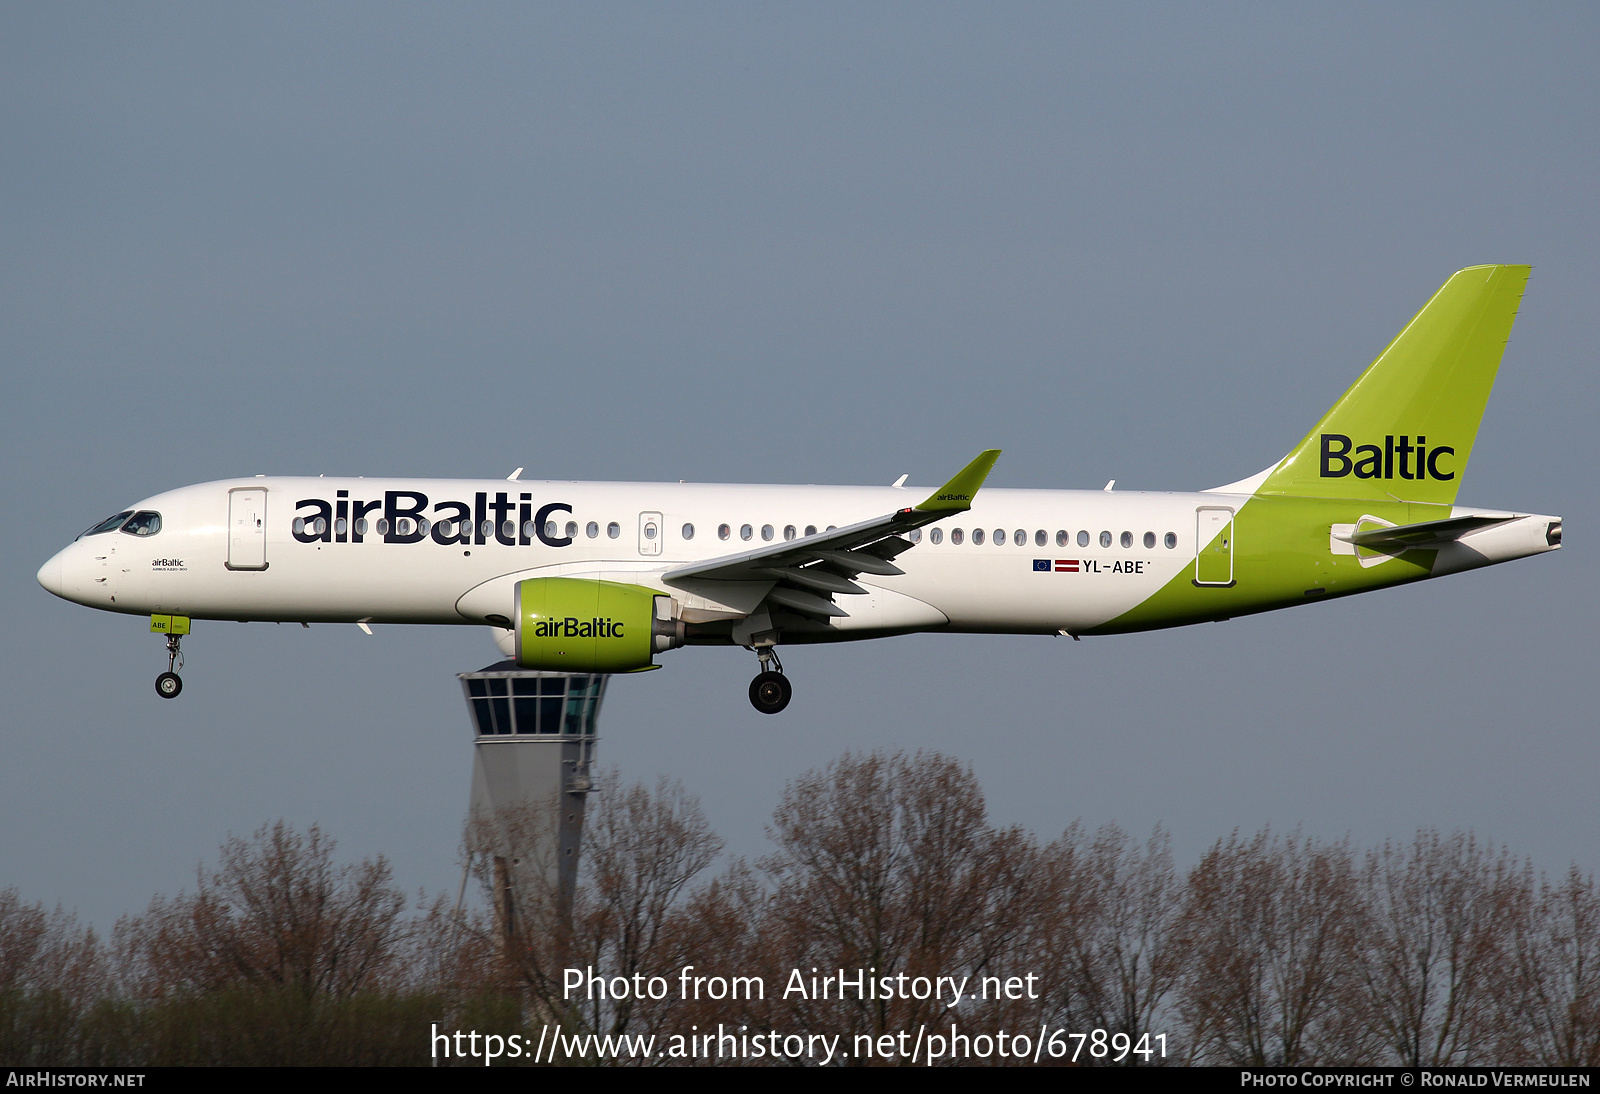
(533,755)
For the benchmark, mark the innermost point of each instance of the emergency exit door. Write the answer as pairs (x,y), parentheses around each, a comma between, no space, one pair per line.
(247,529)
(650,533)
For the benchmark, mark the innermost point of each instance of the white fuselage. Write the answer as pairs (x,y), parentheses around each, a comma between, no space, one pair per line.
(1085,557)
(988,586)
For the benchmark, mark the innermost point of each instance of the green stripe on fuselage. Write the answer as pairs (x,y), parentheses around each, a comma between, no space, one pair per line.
(1282,557)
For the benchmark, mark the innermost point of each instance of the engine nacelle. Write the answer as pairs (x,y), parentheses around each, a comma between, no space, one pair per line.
(579,624)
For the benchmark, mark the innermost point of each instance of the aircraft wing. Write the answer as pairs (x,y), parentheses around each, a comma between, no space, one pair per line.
(807,572)
(1410,537)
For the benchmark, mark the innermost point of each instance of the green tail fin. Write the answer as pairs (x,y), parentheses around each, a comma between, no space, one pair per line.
(1405,429)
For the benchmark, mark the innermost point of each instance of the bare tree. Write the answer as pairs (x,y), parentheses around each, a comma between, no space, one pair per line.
(448,950)
(1551,1008)
(52,972)
(885,865)
(642,848)
(275,913)
(1442,917)
(1273,926)
(1115,950)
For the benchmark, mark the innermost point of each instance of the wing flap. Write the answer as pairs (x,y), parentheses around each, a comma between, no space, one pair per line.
(805,603)
(860,562)
(820,579)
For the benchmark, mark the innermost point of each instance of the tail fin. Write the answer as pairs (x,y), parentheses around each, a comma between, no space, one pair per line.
(1405,429)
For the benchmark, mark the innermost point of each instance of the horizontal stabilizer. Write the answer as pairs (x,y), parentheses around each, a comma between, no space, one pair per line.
(1411,537)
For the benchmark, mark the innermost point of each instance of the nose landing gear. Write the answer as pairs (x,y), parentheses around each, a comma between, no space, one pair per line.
(770,691)
(169,683)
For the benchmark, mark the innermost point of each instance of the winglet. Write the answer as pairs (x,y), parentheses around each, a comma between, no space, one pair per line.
(956,495)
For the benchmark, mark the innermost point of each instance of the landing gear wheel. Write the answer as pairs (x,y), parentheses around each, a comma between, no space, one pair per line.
(168,684)
(770,692)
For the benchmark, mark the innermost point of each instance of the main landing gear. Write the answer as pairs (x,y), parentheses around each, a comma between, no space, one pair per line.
(169,683)
(770,691)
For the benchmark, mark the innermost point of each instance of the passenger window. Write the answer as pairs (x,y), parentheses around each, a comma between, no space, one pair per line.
(383,526)
(402,526)
(1127,539)
(592,530)
(1149,540)
(977,535)
(509,529)
(935,535)
(915,535)
(1020,538)
(766,532)
(999,537)
(341,526)
(143,524)
(1083,538)
(572,529)
(788,531)
(745,531)
(688,531)
(299,526)
(723,531)
(613,530)
(361,526)
(1039,538)
(1063,539)
(1105,539)
(811,529)
(955,536)
(1171,540)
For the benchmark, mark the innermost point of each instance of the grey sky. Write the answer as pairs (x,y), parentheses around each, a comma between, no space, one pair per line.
(784,244)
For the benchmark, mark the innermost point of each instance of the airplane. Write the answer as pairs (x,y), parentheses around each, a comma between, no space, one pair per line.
(605,576)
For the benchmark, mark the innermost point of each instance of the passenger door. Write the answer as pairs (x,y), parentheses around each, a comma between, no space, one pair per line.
(247,529)
(1213,561)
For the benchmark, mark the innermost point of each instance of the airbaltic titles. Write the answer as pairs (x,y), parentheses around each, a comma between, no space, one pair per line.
(404,519)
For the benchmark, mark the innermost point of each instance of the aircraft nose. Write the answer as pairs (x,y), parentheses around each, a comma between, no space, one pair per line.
(50,575)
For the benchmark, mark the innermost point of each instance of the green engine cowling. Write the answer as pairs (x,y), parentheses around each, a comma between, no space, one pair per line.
(578,624)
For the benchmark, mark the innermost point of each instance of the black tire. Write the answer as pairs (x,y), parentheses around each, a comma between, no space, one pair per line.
(168,685)
(770,692)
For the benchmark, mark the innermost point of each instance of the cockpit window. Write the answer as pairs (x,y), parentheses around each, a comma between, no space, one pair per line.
(143,523)
(110,524)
